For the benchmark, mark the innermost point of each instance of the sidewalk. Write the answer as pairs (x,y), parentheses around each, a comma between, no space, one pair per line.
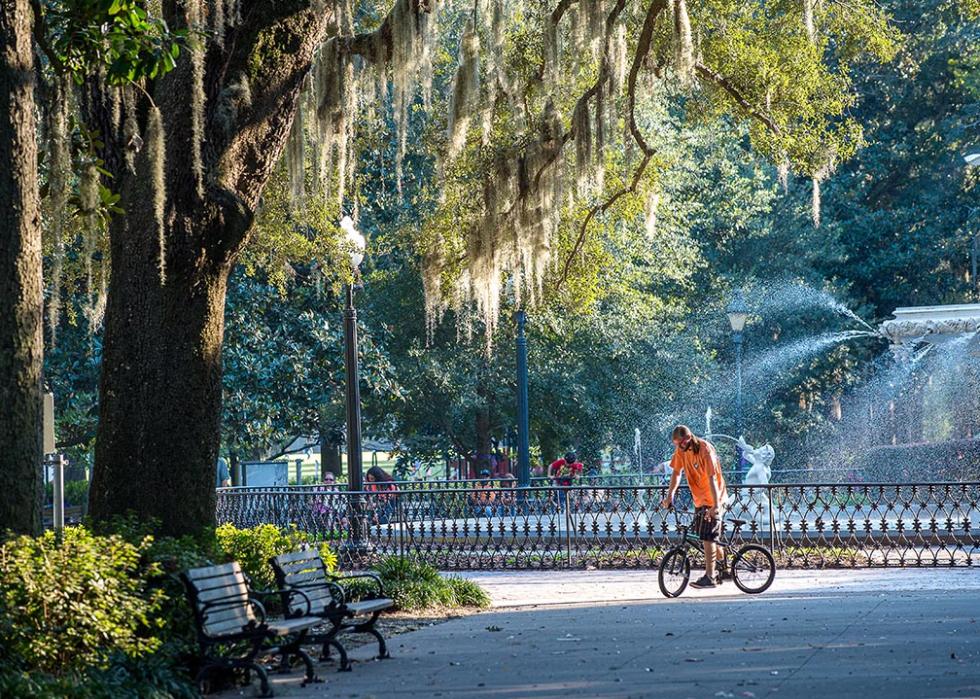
(555,634)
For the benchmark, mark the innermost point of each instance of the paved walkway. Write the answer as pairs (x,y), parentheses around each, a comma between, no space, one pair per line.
(895,633)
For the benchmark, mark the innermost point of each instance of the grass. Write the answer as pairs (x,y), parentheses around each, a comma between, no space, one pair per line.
(417,586)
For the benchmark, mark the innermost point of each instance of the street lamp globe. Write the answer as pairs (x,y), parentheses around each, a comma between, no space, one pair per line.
(354,241)
(972,159)
(738,312)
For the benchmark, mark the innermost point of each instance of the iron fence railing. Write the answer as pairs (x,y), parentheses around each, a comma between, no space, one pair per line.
(805,525)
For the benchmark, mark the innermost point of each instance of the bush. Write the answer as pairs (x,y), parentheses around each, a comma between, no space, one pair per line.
(152,677)
(415,586)
(67,602)
(253,548)
(88,616)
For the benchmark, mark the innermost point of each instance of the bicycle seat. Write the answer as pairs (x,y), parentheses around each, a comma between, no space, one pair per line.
(737,522)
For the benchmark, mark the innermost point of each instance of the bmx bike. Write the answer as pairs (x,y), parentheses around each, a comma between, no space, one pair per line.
(752,567)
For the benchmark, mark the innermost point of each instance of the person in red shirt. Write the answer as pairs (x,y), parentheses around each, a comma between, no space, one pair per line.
(563,472)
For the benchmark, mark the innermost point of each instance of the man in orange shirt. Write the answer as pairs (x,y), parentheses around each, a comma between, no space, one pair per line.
(698,460)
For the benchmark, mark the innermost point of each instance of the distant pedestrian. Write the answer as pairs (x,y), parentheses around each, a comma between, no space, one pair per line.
(563,472)
(222,475)
(380,482)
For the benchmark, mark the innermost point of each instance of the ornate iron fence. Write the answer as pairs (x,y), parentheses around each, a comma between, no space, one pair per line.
(495,527)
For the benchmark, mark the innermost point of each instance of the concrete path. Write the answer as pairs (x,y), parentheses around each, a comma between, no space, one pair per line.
(893,633)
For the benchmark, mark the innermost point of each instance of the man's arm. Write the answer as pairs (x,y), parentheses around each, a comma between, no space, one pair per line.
(713,474)
(675,479)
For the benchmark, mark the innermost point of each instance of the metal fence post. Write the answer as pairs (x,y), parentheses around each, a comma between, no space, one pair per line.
(772,519)
(569,494)
(401,525)
(59,492)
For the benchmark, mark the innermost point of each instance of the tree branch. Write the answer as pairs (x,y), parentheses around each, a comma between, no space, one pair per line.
(729,87)
(367,44)
(643,45)
(642,49)
(601,208)
(42,40)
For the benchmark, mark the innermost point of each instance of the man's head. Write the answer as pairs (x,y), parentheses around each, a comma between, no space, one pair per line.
(329,478)
(571,457)
(683,438)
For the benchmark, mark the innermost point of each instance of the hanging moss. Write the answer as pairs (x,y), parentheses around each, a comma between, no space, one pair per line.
(465,91)
(295,160)
(196,47)
(808,22)
(156,160)
(59,190)
(683,43)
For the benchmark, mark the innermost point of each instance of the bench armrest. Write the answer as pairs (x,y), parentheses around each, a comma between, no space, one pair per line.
(336,591)
(232,602)
(287,596)
(370,576)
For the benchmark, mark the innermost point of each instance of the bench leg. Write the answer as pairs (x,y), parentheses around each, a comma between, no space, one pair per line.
(382,646)
(368,627)
(345,665)
(311,677)
(264,689)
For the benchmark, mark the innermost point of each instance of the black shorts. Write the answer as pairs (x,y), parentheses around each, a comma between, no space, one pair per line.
(706,529)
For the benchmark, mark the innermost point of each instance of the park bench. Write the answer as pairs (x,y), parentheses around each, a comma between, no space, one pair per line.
(304,571)
(233,628)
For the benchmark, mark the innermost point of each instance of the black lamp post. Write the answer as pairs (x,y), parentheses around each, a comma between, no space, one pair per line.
(738,313)
(355,474)
(973,161)
(523,419)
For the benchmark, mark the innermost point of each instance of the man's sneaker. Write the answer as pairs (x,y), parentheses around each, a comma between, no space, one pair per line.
(703,582)
(722,574)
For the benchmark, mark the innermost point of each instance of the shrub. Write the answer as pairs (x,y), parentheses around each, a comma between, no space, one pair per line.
(253,548)
(151,677)
(69,602)
(416,586)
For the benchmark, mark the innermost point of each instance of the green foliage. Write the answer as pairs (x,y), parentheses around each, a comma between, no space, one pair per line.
(152,677)
(416,586)
(253,548)
(69,602)
(284,346)
(85,616)
(119,36)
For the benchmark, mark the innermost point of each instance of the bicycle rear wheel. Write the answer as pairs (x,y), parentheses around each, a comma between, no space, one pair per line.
(675,572)
(753,569)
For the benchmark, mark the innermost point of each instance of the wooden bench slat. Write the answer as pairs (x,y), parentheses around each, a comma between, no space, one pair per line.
(214,571)
(305,577)
(300,565)
(301,555)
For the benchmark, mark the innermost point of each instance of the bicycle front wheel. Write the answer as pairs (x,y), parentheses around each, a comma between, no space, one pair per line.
(675,572)
(753,569)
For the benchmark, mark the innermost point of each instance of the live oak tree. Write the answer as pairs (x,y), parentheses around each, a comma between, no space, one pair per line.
(20,278)
(116,40)
(542,143)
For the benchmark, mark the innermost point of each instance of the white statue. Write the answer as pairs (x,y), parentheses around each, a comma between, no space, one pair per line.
(759,474)
(761,459)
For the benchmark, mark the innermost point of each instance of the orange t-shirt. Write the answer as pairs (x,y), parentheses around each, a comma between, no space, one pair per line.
(698,469)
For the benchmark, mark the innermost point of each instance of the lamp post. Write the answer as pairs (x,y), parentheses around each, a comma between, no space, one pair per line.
(738,313)
(355,476)
(523,418)
(973,161)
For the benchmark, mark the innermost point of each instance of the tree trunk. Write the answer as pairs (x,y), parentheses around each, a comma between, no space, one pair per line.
(157,447)
(160,391)
(331,438)
(21,340)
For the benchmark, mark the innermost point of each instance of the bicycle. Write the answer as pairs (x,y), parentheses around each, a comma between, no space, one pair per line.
(753,568)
